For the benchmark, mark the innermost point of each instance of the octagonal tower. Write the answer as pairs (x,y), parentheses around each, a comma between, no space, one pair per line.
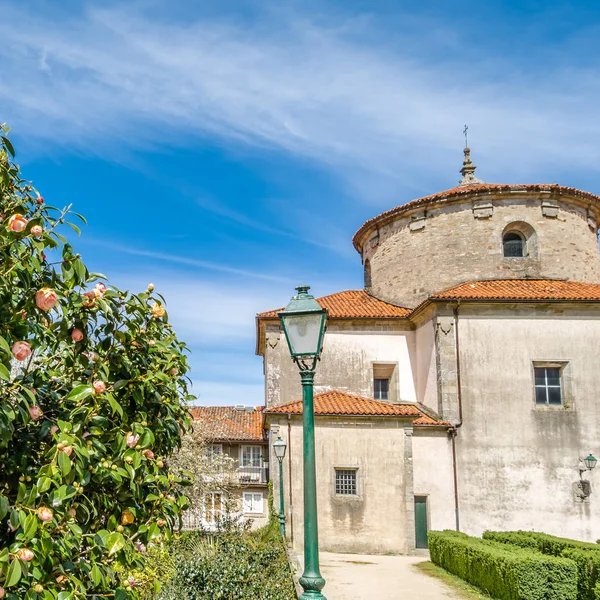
(479,231)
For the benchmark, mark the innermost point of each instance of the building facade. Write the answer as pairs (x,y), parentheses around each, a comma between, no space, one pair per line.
(481,310)
(236,445)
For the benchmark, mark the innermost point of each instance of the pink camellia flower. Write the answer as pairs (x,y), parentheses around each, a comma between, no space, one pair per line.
(37,231)
(44,514)
(25,554)
(53,429)
(148,453)
(99,386)
(85,434)
(68,450)
(138,546)
(101,287)
(40,200)
(17,223)
(46,298)
(132,439)
(21,350)
(35,412)
(76,335)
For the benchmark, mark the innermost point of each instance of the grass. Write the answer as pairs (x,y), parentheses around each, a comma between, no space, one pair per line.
(464,590)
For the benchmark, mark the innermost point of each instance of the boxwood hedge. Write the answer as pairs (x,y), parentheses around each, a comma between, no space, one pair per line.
(585,555)
(506,573)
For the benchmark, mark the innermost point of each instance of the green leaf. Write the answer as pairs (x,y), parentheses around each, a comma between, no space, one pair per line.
(3,506)
(115,542)
(31,525)
(43,485)
(147,438)
(4,372)
(114,405)
(64,462)
(80,392)
(4,555)
(75,229)
(9,146)
(96,575)
(14,573)
(4,345)
(121,383)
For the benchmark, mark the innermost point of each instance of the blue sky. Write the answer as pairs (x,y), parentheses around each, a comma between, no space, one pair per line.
(227,151)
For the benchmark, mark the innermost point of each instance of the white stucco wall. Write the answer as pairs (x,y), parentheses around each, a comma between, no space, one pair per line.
(433,476)
(516,461)
(375,521)
(349,352)
(425,368)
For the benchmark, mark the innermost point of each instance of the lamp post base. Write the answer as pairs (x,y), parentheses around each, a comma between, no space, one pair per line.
(312,587)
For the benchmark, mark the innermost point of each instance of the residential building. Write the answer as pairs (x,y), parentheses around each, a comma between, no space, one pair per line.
(480,311)
(235,432)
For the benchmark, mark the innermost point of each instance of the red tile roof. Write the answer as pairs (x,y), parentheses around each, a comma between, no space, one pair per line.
(346,404)
(226,423)
(467,190)
(521,289)
(352,304)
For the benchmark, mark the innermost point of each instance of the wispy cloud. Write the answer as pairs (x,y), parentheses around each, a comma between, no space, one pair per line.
(323,92)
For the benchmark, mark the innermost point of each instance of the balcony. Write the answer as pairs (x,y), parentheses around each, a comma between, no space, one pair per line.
(251,475)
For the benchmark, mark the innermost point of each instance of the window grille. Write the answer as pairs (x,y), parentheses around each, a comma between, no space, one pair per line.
(548,385)
(514,245)
(345,482)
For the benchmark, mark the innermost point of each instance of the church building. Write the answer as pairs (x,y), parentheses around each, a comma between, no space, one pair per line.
(458,389)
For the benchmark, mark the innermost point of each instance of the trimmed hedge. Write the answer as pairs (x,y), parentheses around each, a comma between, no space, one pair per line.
(585,555)
(506,573)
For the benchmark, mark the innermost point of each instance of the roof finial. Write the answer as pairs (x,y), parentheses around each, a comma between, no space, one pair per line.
(468,170)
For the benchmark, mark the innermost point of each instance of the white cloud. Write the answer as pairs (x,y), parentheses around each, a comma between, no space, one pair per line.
(322,92)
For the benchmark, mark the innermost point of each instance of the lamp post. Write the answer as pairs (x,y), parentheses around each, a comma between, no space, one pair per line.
(279,447)
(303,323)
(590,462)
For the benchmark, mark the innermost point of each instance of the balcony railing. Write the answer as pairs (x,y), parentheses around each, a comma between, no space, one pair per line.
(252,475)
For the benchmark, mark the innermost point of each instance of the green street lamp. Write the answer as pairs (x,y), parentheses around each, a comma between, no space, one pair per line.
(303,322)
(590,462)
(279,447)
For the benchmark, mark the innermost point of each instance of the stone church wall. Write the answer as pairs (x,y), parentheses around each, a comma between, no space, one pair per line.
(420,253)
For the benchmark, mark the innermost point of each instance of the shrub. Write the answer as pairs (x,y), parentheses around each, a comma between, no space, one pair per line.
(236,565)
(92,393)
(507,573)
(585,555)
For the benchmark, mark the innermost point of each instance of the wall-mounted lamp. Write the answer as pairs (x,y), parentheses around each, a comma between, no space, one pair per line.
(583,487)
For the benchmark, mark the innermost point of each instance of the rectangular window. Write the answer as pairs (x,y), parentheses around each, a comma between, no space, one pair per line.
(345,482)
(548,385)
(253,503)
(214,450)
(382,389)
(213,507)
(251,456)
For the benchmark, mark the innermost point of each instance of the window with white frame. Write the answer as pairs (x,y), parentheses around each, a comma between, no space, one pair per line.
(345,482)
(251,456)
(214,450)
(213,507)
(253,503)
(548,385)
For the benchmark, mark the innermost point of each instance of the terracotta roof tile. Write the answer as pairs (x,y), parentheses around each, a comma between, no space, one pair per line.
(353,304)
(465,190)
(343,403)
(522,289)
(226,423)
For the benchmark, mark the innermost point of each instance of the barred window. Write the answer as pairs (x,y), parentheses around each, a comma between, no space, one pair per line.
(345,482)
(514,245)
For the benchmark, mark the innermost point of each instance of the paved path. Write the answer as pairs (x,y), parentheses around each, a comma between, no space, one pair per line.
(356,577)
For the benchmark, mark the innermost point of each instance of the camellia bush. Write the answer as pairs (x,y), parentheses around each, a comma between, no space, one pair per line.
(92,400)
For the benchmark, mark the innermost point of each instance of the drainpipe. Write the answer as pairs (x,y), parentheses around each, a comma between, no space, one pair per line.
(291,503)
(454,430)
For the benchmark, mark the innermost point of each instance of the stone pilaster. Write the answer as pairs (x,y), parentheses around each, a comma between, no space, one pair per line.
(447,370)
(409,494)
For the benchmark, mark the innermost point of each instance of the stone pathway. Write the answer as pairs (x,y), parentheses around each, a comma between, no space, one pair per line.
(356,577)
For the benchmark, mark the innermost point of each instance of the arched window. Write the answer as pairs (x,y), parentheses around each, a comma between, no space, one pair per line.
(367,274)
(514,245)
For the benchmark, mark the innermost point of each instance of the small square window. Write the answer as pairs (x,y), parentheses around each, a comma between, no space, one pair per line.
(548,385)
(345,482)
(382,389)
